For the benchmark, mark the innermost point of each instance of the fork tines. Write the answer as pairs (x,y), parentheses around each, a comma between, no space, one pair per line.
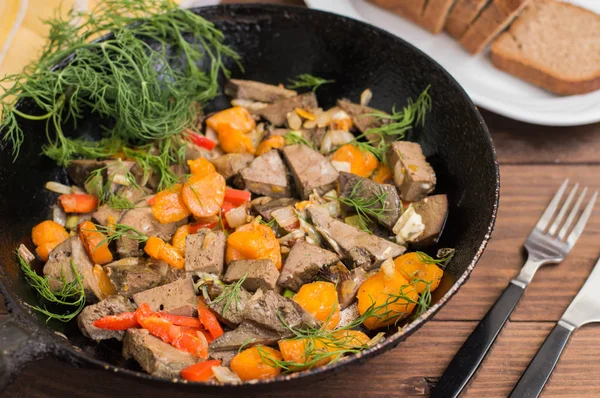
(550,214)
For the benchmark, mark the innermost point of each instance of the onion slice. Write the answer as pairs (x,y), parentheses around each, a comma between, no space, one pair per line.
(225,375)
(58,187)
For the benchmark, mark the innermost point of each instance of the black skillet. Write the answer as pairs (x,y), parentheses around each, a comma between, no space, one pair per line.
(276,43)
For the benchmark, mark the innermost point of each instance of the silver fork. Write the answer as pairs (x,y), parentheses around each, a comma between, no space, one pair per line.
(548,243)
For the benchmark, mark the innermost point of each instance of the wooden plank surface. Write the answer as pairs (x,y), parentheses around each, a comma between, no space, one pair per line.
(534,161)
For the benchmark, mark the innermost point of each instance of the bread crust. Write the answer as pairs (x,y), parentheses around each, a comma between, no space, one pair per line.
(492,21)
(462,14)
(430,14)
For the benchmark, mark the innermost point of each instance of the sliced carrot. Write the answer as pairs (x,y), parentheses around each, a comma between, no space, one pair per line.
(178,241)
(232,126)
(209,320)
(273,142)
(95,243)
(382,174)
(46,236)
(201,167)
(362,163)
(194,228)
(237,197)
(201,371)
(104,284)
(159,250)
(168,205)
(256,363)
(78,203)
(253,241)
(204,195)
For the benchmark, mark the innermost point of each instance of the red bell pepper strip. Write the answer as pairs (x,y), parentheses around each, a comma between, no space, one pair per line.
(202,141)
(226,208)
(181,320)
(237,197)
(193,228)
(201,371)
(78,203)
(209,320)
(123,321)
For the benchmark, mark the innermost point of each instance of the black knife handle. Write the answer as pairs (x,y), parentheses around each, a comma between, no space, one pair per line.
(465,363)
(540,368)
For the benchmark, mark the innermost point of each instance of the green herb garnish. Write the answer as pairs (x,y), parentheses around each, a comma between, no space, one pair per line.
(295,137)
(119,231)
(443,257)
(71,294)
(367,205)
(306,80)
(123,79)
(230,294)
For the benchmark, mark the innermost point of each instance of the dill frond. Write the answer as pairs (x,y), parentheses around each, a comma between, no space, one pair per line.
(230,294)
(306,80)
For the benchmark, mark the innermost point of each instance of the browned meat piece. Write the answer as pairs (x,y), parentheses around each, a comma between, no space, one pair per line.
(134,274)
(256,91)
(176,298)
(370,190)
(247,335)
(348,287)
(58,267)
(413,175)
(113,305)
(433,211)
(224,356)
(79,170)
(266,307)
(359,114)
(267,175)
(303,264)
(205,251)
(363,249)
(310,169)
(231,164)
(131,193)
(230,306)
(276,113)
(260,274)
(155,356)
(265,209)
(142,219)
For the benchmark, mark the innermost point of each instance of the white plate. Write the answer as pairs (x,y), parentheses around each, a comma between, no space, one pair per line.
(488,87)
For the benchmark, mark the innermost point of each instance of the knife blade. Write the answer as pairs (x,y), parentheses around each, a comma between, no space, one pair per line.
(585,308)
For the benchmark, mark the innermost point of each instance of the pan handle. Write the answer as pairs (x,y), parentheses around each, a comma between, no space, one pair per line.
(18,346)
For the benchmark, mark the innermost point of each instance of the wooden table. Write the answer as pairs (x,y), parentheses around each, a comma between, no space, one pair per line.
(534,161)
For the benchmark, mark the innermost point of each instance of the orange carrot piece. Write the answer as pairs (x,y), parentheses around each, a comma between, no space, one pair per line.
(159,250)
(168,205)
(362,163)
(78,203)
(273,142)
(232,126)
(178,241)
(46,236)
(104,283)
(204,195)
(95,242)
(201,167)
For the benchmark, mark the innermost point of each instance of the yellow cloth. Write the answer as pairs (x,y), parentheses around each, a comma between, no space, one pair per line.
(22,33)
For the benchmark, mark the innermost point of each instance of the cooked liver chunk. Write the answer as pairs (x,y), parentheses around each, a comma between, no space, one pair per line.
(205,251)
(155,356)
(363,249)
(359,115)
(231,313)
(247,334)
(266,209)
(310,169)
(267,175)
(132,275)
(266,307)
(303,264)
(348,287)
(259,274)
(413,175)
(142,219)
(112,305)
(256,91)
(224,356)
(176,298)
(369,190)
(79,169)
(433,211)
(59,266)
(231,164)
(277,111)
(132,194)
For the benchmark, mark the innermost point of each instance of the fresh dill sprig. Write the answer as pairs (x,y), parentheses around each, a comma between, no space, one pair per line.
(119,202)
(293,137)
(444,256)
(306,80)
(101,187)
(158,158)
(230,294)
(118,231)
(144,91)
(71,294)
(367,205)
(395,125)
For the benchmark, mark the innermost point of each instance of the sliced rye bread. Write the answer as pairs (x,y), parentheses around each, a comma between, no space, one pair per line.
(553,45)
(462,15)
(494,18)
(435,15)
(430,14)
